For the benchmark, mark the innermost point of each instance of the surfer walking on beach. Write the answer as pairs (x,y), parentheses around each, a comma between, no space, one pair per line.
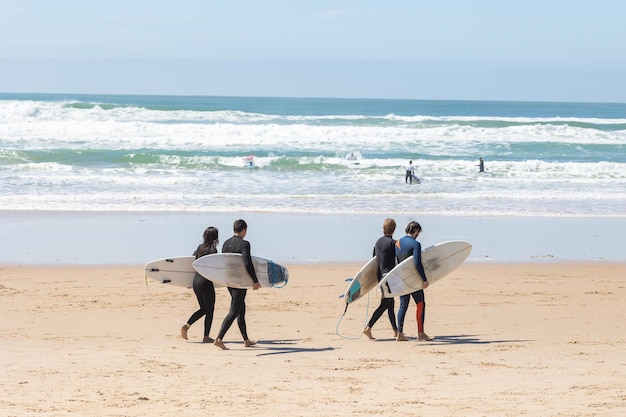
(237,244)
(405,247)
(410,173)
(203,288)
(384,251)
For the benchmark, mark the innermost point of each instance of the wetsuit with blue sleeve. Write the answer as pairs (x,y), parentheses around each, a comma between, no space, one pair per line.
(405,247)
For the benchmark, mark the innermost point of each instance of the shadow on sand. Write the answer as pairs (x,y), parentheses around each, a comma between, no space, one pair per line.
(466,339)
(279,347)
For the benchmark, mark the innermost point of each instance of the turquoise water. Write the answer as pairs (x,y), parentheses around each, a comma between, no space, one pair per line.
(161,153)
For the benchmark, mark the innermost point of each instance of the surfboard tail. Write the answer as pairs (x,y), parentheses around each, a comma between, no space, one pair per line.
(277,274)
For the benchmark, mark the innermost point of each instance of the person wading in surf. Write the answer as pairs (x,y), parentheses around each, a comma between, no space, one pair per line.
(410,172)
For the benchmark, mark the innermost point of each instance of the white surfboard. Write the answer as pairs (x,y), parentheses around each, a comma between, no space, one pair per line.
(363,281)
(228,269)
(177,271)
(438,260)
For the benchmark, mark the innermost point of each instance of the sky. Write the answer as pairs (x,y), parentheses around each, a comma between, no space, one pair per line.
(548,50)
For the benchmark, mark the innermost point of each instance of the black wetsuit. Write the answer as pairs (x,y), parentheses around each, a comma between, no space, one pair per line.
(205,293)
(238,295)
(385,253)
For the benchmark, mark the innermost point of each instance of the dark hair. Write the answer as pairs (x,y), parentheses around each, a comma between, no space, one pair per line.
(413,227)
(239,226)
(209,245)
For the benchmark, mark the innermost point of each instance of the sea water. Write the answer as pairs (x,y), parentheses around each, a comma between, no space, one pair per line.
(66,152)
(128,179)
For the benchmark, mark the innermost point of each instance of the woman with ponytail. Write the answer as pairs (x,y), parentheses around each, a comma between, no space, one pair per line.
(203,288)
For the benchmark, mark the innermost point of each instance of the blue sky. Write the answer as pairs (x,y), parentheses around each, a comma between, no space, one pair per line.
(549,50)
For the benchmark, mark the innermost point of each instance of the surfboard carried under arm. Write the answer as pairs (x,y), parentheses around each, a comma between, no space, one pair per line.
(228,269)
(438,260)
(177,271)
(363,281)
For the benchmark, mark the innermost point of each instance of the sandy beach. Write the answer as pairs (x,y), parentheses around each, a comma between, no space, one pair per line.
(510,339)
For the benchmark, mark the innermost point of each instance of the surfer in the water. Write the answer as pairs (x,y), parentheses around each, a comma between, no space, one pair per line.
(406,247)
(384,251)
(410,173)
(237,244)
(481,165)
(203,288)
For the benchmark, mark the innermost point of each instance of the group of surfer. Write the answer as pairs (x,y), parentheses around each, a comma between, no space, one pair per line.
(205,290)
(387,252)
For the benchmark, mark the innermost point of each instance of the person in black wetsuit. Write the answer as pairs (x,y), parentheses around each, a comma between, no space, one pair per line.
(385,253)
(203,288)
(237,244)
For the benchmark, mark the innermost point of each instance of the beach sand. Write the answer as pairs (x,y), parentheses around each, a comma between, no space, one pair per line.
(538,339)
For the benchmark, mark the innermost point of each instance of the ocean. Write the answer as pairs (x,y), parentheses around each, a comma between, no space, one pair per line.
(67,152)
(98,179)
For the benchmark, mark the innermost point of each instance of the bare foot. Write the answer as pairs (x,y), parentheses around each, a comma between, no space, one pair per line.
(220,344)
(183,332)
(368,332)
(424,337)
(401,337)
(207,339)
(248,343)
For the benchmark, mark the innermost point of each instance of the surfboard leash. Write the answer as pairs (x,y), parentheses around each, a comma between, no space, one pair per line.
(147,288)
(367,306)
(281,286)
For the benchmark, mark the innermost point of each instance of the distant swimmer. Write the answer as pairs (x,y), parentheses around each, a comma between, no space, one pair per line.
(410,173)
(249,161)
(352,158)
(481,165)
